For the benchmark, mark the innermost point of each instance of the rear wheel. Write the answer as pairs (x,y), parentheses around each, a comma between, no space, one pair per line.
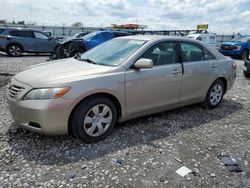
(93,119)
(244,54)
(215,94)
(14,50)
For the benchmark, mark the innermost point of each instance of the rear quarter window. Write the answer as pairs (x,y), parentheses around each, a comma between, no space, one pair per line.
(26,34)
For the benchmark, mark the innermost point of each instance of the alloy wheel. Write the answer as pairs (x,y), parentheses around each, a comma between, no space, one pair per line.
(15,50)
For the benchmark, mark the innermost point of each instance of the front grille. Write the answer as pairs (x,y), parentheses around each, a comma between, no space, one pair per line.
(230,48)
(13,90)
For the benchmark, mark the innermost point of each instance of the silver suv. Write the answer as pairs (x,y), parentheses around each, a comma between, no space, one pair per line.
(16,41)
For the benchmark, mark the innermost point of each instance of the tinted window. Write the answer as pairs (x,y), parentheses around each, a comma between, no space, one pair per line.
(107,36)
(40,35)
(98,37)
(120,34)
(18,33)
(1,30)
(162,53)
(208,55)
(191,52)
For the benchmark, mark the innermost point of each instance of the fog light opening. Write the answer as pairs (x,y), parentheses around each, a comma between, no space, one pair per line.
(33,124)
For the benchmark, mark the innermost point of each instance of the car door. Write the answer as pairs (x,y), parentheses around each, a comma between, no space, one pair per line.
(200,68)
(24,38)
(152,90)
(43,43)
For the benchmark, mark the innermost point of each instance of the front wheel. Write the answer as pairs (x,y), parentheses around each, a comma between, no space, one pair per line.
(244,55)
(93,119)
(215,94)
(246,74)
(76,47)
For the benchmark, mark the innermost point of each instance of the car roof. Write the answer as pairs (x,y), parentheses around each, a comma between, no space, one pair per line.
(19,29)
(158,37)
(111,31)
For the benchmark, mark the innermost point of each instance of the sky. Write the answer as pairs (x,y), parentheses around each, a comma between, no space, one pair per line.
(223,16)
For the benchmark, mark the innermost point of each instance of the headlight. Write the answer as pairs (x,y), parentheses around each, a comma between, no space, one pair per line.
(237,47)
(46,93)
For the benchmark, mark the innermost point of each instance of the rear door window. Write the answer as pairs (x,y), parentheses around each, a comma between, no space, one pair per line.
(208,55)
(26,34)
(39,35)
(192,52)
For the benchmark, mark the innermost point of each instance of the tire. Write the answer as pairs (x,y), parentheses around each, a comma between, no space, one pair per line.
(58,53)
(76,47)
(215,94)
(246,74)
(244,54)
(14,50)
(93,119)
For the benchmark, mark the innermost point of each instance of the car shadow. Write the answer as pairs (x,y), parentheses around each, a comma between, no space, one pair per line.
(4,55)
(51,150)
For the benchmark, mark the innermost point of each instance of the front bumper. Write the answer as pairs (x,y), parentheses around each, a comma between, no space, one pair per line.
(230,52)
(43,116)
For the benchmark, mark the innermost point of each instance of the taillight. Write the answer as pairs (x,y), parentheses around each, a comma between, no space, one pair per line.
(234,65)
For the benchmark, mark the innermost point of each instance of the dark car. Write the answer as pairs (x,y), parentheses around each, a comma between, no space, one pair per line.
(246,67)
(15,41)
(238,47)
(80,45)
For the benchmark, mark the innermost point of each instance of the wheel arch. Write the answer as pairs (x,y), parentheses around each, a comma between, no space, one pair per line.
(100,94)
(16,43)
(224,80)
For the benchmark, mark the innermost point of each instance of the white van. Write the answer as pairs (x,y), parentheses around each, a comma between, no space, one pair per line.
(207,38)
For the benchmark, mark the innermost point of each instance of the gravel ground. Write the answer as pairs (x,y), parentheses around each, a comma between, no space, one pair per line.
(139,153)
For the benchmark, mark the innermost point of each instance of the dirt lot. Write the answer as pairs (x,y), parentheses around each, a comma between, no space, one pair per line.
(145,147)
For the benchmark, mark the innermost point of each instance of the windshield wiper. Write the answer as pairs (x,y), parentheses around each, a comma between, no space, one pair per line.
(89,61)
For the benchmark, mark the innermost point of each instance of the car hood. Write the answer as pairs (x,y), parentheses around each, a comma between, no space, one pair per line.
(69,40)
(58,72)
(231,43)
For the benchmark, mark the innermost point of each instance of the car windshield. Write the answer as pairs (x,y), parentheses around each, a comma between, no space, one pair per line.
(74,36)
(88,36)
(113,52)
(241,39)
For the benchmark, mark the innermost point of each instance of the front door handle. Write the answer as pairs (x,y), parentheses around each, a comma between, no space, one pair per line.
(214,65)
(176,71)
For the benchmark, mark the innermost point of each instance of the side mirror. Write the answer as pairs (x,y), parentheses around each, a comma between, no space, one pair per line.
(144,64)
(50,38)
